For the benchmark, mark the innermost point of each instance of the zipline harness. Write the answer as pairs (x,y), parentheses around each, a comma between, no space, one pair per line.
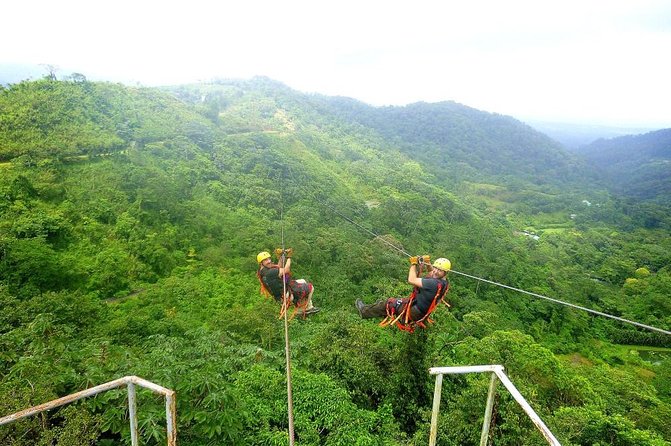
(399,312)
(294,291)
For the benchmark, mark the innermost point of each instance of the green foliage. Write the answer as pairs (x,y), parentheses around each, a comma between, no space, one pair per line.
(129,222)
(589,426)
(323,412)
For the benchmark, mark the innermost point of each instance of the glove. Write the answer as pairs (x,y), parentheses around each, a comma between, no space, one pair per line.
(287,252)
(413,260)
(424,259)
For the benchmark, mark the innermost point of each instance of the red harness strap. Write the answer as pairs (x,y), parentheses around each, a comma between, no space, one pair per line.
(400,315)
(300,302)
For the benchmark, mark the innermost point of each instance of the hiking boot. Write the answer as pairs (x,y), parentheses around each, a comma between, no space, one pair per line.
(359,306)
(312,310)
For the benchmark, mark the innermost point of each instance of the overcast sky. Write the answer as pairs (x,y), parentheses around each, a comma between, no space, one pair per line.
(599,62)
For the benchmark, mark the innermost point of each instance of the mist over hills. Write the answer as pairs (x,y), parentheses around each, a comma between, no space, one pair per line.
(15,73)
(574,136)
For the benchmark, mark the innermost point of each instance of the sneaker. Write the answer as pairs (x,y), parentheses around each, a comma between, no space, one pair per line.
(359,306)
(312,310)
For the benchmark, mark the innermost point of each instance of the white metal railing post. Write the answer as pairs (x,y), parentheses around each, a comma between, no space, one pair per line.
(170,416)
(435,410)
(498,372)
(130,382)
(527,408)
(132,413)
(484,436)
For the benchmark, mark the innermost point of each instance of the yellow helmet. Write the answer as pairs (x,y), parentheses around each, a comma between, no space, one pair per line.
(263,255)
(442,264)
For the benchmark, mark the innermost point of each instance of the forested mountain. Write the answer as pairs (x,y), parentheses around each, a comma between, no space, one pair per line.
(463,143)
(637,166)
(130,219)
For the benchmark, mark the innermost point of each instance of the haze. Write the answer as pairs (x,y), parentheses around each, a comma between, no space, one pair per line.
(597,62)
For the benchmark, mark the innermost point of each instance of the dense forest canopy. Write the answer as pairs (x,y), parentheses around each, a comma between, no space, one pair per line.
(130,219)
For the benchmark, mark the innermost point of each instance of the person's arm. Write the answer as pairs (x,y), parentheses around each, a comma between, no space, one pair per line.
(286,269)
(412,277)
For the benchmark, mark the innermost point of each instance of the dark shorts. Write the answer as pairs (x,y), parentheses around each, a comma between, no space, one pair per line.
(300,289)
(379,308)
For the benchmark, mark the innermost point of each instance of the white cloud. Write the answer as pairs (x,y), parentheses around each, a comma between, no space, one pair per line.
(599,61)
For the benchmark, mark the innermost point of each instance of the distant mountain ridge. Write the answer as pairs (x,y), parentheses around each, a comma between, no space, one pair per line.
(636,165)
(576,136)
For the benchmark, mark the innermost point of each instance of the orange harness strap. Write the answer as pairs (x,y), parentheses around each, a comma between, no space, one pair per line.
(407,324)
(286,302)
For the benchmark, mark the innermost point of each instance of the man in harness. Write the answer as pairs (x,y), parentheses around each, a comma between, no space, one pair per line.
(270,275)
(428,292)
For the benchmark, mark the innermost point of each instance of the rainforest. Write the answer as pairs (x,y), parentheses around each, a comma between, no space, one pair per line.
(130,221)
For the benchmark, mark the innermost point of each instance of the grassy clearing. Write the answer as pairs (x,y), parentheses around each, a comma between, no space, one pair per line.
(553,230)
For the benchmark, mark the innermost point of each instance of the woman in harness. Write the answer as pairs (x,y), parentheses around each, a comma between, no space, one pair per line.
(428,292)
(270,275)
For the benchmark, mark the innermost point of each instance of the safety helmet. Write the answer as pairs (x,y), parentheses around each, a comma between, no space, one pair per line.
(263,255)
(442,264)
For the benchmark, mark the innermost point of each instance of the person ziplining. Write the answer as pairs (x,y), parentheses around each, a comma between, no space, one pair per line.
(298,291)
(428,292)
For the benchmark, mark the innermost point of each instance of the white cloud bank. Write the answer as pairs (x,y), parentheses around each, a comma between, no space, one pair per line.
(602,62)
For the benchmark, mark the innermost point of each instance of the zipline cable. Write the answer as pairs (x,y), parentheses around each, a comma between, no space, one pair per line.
(578,307)
(388,243)
(540,296)
(287,351)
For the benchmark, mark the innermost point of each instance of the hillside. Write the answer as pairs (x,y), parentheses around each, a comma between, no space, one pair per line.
(130,219)
(638,166)
(463,143)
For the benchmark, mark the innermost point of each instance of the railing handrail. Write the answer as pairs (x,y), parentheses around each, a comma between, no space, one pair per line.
(497,372)
(130,382)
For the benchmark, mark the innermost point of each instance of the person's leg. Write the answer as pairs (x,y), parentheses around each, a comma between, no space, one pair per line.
(312,290)
(306,290)
(378,309)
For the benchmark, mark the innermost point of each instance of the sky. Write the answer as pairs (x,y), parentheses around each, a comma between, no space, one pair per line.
(585,61)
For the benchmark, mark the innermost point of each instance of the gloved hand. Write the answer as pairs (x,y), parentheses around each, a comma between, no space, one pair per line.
(287,252)
(424,259)
(413,260)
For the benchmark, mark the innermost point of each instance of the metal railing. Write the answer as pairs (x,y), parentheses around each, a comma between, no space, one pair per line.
(130,382)
(497,372)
